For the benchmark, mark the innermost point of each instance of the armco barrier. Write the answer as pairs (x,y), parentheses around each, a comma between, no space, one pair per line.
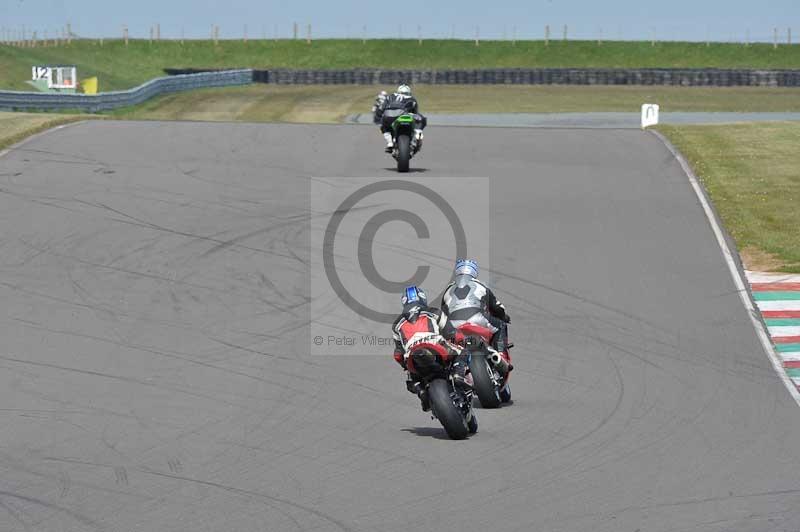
(537,76)
(13,100)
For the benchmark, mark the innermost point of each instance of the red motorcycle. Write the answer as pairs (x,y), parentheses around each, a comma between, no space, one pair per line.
(451,403)
(489,368)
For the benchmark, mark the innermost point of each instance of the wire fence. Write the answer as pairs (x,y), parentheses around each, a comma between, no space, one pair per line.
(27,37)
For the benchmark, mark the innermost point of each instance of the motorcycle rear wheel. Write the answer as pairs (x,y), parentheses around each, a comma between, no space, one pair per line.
(403,152)
(483,385)
(446,411)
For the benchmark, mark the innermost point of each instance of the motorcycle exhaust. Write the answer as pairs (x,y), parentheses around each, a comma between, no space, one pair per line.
(499,362)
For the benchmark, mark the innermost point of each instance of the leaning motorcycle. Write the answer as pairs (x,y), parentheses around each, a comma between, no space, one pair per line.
(406,143)
(451,403)
(489,368)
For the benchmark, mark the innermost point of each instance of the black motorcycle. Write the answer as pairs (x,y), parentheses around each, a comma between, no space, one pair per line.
(406,144)
(450,398)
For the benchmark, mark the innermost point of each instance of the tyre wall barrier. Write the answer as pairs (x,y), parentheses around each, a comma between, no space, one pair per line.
(104,101)
(536,76)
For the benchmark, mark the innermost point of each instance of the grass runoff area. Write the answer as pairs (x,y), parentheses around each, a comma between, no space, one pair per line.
(121,67)
(332,103)
(751,174)
(15,127)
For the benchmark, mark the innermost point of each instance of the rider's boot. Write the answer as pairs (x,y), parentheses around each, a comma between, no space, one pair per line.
(419,390)
(462,380)
(389,142)
(418,136)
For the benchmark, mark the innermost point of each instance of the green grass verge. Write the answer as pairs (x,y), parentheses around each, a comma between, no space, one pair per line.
(281,103)
(751,174)
(15,127)
(120,67)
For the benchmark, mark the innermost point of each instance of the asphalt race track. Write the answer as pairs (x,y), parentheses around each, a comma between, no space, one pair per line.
(155,373)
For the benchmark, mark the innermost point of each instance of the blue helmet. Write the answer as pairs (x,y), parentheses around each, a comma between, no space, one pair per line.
(466,267)
(415,296)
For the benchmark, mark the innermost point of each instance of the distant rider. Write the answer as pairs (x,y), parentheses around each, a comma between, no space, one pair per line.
(379,99)
(468,300)
(401,102)
(419,321)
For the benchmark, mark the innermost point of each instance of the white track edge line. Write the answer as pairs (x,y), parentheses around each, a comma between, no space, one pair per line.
(738,280)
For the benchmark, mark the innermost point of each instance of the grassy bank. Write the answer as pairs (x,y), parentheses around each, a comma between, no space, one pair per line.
(276,103)
(120,67)
(751,173)
(14,127)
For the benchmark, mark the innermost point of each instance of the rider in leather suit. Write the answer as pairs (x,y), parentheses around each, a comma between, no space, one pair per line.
(418,320)
(394,105)
(467,299)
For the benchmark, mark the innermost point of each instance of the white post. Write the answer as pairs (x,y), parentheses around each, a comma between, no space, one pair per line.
(477,35)
(649,115)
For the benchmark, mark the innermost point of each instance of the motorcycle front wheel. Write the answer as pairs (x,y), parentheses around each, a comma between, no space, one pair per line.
(403,152)
(446,411)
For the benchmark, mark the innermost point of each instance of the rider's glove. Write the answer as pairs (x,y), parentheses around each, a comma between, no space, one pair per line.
(507,318)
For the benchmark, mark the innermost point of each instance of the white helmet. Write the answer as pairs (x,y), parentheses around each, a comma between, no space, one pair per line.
(404,89)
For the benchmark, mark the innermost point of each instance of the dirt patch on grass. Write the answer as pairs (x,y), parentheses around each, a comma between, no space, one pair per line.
(757,260)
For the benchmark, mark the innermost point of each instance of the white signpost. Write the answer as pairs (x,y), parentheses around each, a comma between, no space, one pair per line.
(57,77)
(649,115)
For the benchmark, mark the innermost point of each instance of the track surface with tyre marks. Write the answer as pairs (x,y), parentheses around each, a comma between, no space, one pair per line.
(155,375)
